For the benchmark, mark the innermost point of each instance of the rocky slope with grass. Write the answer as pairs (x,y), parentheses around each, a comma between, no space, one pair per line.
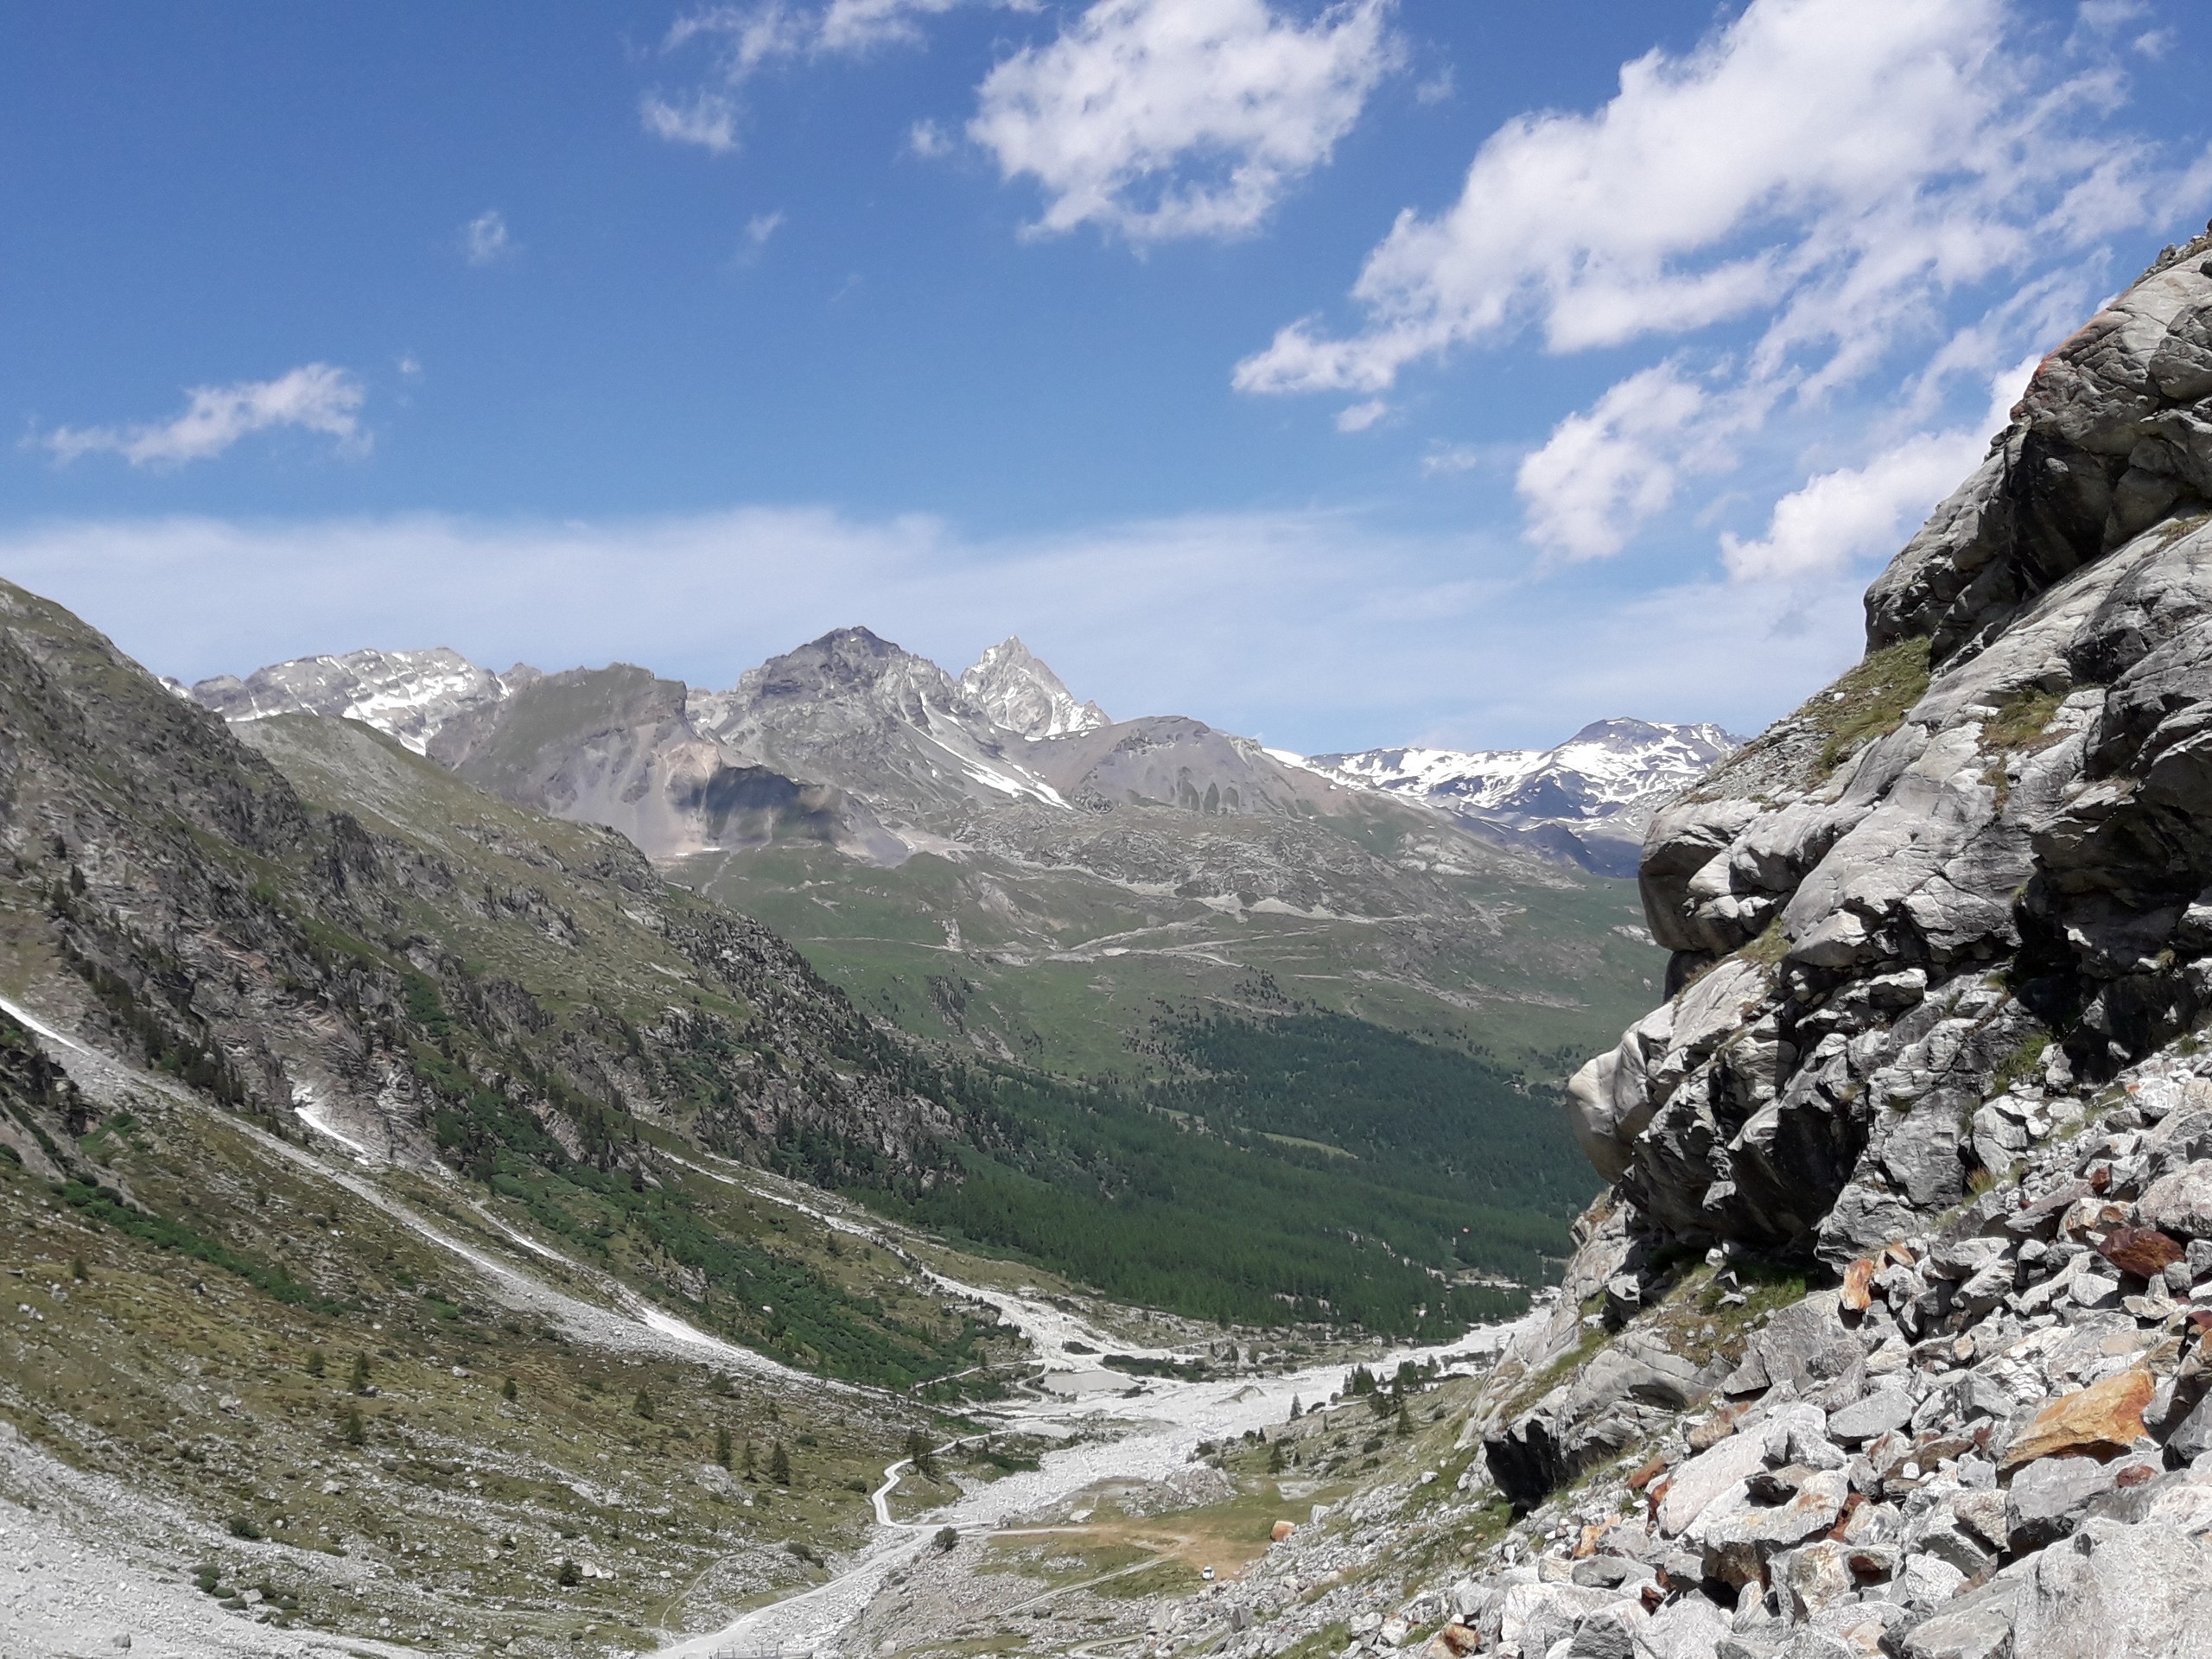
(1890,1337)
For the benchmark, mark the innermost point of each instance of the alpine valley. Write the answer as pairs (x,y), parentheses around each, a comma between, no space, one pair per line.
(443,1214)
(987,860)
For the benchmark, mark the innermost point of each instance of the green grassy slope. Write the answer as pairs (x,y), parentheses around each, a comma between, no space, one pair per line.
(1066,970)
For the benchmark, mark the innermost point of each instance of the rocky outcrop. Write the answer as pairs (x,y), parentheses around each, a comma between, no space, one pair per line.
(1974,875)
(1943,944)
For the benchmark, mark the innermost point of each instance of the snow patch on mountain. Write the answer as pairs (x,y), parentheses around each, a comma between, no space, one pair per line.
(1587,798)
(1022,695)
(408,695)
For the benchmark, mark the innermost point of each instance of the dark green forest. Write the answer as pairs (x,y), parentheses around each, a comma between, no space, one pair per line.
(1310,1166)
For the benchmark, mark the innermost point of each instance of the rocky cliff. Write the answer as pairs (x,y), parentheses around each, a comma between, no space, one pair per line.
(1889,1337)
(1967,876)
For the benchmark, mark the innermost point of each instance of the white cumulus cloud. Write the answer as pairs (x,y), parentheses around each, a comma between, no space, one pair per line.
(315,397)
(1163,118)
(1826,164)
(1851,512)
(1604,473)
(707,119)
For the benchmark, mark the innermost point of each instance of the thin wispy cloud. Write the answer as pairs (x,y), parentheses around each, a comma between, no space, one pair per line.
(485,240)
(1320,630)
(738,42)
(315,397)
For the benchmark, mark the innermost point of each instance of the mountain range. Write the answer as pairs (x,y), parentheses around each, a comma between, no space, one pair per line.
(990,860)
(1588,800)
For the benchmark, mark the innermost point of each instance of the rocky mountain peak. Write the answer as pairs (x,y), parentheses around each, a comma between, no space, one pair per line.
(1022,694)
(408,694)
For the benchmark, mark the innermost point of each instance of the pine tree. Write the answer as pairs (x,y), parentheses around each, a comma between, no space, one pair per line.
(358,1382)
(643,1405)
(315,1361)
(1296,1410)
(355,1431)
(722,1444)
(1275,1459)
(779,1466)
(508,1391)
(752,1469)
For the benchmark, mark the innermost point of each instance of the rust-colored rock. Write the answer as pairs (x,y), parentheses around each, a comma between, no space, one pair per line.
(2092,1216)
(1454,1641)
(1282,1530)
(2100,1422)
(1859,1286)
(1719,1426)
(2143,1251)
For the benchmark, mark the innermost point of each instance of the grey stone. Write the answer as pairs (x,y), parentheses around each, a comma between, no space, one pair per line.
(2047,1498)
(1977,1625)
(1875,1415)
(2180,1203)
(1689,1627)
(2127,1591)
(1604,1634)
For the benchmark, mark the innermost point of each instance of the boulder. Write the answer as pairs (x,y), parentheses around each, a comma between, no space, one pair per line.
(2047,1499)
(2117,1591)
(1707,1477)
(2143,1251)
(1975,1625)
(1534,1617)
(1875,1415)
(1687,1628)
(2180,1203)
(2102,1420)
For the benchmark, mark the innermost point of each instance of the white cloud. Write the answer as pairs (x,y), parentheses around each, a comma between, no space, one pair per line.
(927,139)
(761,226)
(1320,630)
(1839,517)
(315,397)
(746,39)
(1603,475)
(707,119)
(1360,417)
(484,240)
(1162,118)
(1831,166)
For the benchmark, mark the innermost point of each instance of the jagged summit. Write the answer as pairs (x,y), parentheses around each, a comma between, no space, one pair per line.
(1022,694)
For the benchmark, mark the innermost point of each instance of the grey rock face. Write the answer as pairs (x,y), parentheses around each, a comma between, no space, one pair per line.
(1023,695)
(1995,831)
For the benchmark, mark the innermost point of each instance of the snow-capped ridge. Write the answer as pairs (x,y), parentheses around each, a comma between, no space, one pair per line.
(1588,797)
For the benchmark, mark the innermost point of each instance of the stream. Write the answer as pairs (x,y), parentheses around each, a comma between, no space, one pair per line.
(1108,1435)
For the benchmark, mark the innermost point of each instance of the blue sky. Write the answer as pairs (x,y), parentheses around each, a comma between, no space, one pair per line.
(1348,375)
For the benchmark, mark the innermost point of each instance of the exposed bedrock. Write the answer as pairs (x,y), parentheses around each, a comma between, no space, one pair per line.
(1974,875)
